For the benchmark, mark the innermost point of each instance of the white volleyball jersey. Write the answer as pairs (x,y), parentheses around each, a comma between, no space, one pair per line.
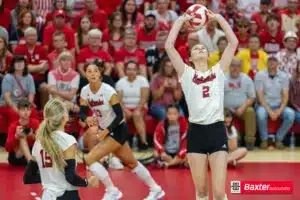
(53,180)
(99,103)
(204,94)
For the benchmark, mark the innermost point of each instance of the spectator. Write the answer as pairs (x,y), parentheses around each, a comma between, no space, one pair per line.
(290,15)
(208,36)
(82,34)
(147,34)
(165,17)
(242,33)
(4,16)
(254,28)
(287,57)
(185,4)
(298,29)
(109,6)
(60,45)
(133,92)
(75,7)
(156,53)
(5,58)
(254,59)
(260,17)
(131,17)
(272,90)
(58,5)
(236,153)
(182,37)
(17,84)
(231,13)
(113,36)
(294,93)
(59,24)
(130,51)
(36,57)
(272,37)
(239,97)
(4,33)
(10,4)
(92,52)
(26,20)
(97,17)
(22,4)
(248,7)
(165,88)
(63,82)
(21,135)
(41,8)
(170,139)
(215,56)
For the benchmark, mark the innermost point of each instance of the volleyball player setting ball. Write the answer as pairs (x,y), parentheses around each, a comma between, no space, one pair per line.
(53,157)
(204,93)
(111,133)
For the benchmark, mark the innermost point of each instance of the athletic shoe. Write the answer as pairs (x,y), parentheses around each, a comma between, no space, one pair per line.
(113,194)
(115,163)
(156,194)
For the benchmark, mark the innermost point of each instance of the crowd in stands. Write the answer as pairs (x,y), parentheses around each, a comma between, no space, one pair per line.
(46,44)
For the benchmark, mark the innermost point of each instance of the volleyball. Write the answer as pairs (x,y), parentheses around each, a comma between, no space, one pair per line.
(199,14)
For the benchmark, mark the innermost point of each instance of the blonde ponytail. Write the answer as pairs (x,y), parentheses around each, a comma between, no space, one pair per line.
(53,121)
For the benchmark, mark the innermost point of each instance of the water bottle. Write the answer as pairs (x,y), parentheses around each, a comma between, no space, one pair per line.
(135,142)
(292,141)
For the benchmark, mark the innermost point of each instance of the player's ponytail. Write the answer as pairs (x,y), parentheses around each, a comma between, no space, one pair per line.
(53,121)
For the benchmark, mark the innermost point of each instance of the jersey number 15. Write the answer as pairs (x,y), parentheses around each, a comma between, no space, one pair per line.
(205,91)
(46,159)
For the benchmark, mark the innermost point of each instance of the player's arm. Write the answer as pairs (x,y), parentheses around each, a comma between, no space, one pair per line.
(84,108)
(32,173)
(70,169)
(232,40)
(116,106)
(170,42)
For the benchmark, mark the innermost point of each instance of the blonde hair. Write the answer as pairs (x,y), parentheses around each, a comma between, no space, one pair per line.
(53,121)
(65,55)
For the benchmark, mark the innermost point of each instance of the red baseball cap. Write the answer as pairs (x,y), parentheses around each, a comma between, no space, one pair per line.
(59,13)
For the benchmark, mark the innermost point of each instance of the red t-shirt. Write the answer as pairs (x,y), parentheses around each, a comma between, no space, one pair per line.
(5,18)
(146,40)
(99,19)
(12,142)
(113,45)
(86,56)
(181,40)
(269,43)
(49,17)
(33,58)
(243,43)
(10,4)
(184,53)
(138,55)
(109,6)
(8,59)
(50,30)
(259,21)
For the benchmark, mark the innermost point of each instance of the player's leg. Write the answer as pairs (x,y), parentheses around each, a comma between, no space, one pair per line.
(237,155)
(90,137)
(218,165)
(125,154)
(199,168)
(105,147)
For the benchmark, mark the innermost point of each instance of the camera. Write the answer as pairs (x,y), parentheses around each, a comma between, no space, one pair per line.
(26,130)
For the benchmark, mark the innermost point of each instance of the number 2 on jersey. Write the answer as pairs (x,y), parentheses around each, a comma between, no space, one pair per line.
(46,159)
(205,91)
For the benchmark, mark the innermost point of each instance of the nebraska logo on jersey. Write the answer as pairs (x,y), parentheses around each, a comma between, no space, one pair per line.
(201,80)
(96,103)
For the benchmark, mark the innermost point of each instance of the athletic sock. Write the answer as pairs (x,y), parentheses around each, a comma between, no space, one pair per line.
(101,173)
(145,176)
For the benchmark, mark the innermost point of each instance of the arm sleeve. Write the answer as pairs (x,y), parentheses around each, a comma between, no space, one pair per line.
(119,117)
(32,173)
(71,175)
(159,138)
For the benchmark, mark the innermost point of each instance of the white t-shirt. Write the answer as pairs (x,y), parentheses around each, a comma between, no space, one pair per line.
(131,91)
(204,94)
(234,133)
(53,180)
(99,103)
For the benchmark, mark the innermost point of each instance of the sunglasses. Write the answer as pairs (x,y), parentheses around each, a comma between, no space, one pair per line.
(243,26)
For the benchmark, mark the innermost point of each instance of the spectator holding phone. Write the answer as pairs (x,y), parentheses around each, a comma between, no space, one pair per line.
(21,135)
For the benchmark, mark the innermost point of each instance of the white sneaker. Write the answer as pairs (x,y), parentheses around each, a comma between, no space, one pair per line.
(155,194)
(113,194)
(115,163)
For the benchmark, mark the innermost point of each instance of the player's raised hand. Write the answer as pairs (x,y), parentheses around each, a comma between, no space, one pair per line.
(93,182)
(186,17)
(211,15)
